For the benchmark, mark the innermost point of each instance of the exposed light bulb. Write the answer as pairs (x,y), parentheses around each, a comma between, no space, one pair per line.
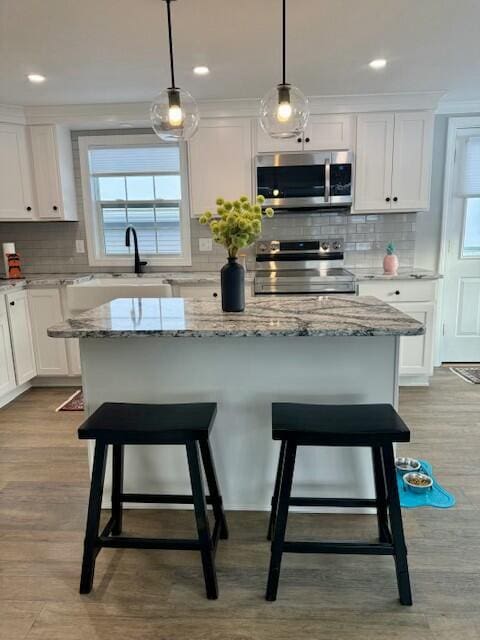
(175,116)
(276,192)
(284,112)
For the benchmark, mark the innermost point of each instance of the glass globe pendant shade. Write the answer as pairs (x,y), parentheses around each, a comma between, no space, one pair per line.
(284,112)
(174,115)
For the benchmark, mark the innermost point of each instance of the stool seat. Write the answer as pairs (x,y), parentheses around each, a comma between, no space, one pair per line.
(129,423)
(338,425)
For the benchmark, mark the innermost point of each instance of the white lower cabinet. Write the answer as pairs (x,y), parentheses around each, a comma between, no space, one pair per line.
(21,336)
(7,371)
(51,354)
(204,291)
(416,299)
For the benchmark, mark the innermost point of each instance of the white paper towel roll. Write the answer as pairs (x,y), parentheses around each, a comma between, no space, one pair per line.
(7,247)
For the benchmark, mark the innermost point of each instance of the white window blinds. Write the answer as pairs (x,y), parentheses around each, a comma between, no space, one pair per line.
(469,174)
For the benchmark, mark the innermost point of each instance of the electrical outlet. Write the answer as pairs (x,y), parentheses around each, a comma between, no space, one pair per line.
(205,244)
(80,246)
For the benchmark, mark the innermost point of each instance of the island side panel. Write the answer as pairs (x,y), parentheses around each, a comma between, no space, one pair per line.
(244,376)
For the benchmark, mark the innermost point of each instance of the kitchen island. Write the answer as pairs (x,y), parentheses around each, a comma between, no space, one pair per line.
(338,349)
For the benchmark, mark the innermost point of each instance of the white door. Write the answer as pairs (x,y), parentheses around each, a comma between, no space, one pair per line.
(51,353)
(220,157)
(266,144)
(21,335)
(16,201)
(47,177)
(329,132)
(7,371)
(412,160)
(373,167)
(461,308)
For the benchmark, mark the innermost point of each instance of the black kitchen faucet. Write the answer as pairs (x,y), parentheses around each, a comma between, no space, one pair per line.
(138,263)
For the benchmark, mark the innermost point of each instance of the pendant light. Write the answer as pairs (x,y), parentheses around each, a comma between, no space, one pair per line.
(174,112)
(284,109)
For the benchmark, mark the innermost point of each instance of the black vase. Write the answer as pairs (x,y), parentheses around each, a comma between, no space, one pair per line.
(233,286)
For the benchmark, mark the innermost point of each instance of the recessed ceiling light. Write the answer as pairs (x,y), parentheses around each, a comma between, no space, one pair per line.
(378,63)
(201,70)
(36,78)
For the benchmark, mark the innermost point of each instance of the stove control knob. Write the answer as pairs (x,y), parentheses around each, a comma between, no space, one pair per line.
(274,246)
(262,248)
(325,246)
(337,245)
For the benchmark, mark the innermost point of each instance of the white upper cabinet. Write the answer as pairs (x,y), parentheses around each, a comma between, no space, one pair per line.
(323,133)
(412,160)
(373,165)
(21,335)
(53,171)
(220,162)
(16,187)
(393,161)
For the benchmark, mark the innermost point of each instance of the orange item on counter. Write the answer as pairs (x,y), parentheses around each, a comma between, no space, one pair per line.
(14,270)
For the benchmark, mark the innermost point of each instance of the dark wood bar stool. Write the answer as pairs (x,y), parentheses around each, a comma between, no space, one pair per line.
(120,424)
(373,425)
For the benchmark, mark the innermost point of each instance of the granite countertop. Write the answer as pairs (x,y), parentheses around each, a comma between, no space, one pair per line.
(377,273)
(275,316)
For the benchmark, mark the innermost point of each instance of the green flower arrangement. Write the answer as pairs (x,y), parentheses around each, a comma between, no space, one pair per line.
(390,249)
(239,223)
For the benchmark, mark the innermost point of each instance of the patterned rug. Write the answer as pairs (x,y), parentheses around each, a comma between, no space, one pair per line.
(73,403)
(469,374)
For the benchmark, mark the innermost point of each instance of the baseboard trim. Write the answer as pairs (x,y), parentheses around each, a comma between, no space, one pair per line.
(57,381)
(11,395)
(414,381)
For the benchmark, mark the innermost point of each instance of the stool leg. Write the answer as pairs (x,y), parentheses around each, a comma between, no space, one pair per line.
(117,488)
(90,548)
(399,546)
(381,494)
(203,527)
(278,477)
(281,521)
(211,475)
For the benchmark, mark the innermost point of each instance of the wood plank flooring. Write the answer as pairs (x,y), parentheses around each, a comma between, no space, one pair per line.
(157,594)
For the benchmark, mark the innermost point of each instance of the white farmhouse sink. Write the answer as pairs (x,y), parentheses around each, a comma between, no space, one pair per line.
(86,295)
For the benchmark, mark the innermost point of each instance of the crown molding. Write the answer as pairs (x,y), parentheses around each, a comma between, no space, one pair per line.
(12,114)
(450,107)
(136,114)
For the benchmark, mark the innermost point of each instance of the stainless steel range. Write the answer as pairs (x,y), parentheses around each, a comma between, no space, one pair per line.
(301,267)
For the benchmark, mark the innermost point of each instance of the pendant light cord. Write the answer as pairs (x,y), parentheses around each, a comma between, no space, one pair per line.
(170,40)
(284,39)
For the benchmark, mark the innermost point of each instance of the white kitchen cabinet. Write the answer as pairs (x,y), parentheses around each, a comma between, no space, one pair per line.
(417,299)
(393,161)
(210,291)
(7,371)
(21,336)
(220,162)
(46,310)
(322,133)
(53,172)
(17,200)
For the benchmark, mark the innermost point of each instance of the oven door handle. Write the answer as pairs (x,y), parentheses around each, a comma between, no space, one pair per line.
(327,180)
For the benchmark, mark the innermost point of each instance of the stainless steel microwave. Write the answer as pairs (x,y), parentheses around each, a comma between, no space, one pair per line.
(305,180)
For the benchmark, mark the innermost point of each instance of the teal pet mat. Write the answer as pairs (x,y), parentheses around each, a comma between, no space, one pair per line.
(436,497)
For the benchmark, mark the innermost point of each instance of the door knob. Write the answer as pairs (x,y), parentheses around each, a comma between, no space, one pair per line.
(12,303)
(387,199)
(395,199)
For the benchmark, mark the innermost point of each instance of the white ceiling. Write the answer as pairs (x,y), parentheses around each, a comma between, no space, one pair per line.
(96,51)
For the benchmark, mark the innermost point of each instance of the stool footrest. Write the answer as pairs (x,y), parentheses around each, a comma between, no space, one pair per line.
(339,547)
(123,542)
(161,498)
(296,501)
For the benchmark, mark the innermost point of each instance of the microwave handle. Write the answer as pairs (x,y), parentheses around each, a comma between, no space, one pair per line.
(327,180)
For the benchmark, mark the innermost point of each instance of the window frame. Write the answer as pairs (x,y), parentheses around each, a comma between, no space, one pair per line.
(94,232)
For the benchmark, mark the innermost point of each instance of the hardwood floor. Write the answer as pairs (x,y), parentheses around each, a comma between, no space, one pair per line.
(159,594)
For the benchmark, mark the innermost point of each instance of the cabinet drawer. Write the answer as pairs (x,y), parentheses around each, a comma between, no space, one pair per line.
(399,290)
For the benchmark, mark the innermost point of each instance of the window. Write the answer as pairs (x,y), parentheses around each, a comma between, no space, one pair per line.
(135,180)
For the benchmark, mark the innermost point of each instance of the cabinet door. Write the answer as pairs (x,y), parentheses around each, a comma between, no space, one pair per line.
(220,157)
(21,335)
(328,132)
(47,176)
(51,353)
(373,172)
(7,371)
(412,160)
(266,144)
(16,192)
(416,351)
